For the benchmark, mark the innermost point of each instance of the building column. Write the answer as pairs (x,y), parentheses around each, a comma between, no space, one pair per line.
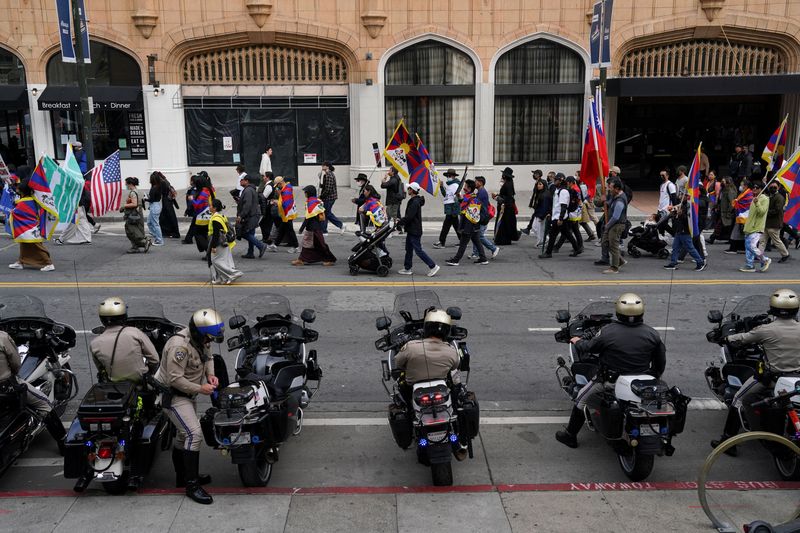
(40,127)
(366,127)
(610,117)
(484,133)
(790,105)
(166,135)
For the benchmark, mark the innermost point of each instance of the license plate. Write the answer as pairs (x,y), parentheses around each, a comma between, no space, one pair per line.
(437,436)
(648,430)
(243,438)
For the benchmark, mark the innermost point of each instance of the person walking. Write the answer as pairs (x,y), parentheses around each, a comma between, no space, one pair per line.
(506,231)
(558,220)
(29,227)
(266,162)
(287,212)
(681,183)
(394,194)
(362,182)
(537,177)
(487,213)
(412,222)
(80,156)
(169,203)
(202,208)
(541,210)
(667,194)
(612,231)
(154,197)
(248,213)
(754,229)
(266,194)
(313,249)
(329,193)
(741,205)
(132,210)
(774,223)
(683,240)
(451,207)
(470,230)
(588,216)
(220,250)
(191,193)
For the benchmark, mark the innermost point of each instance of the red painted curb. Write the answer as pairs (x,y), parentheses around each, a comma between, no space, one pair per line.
(541,487)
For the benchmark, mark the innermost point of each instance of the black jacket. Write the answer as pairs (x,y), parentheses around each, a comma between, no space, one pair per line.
(248,209)
(394,192)
(628,349)
(412,222)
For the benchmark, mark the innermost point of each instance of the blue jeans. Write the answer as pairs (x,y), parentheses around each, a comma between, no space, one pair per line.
(752,251)
(684,241)
(329,216)
(414,246)
(489,245)
(153,224)
(252,241)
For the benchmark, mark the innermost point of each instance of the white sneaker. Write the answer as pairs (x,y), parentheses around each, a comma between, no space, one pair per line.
(433,271)
(496,251)
(404,272)
(473,256)
(16,266)
(272,248)
(59,242)
(292,250)
(438,245)
(158,244)
(48,268)
(343,229)
(96,228)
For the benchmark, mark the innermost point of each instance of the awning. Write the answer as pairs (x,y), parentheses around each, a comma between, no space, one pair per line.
(123,98)
(13,97)
(704,86)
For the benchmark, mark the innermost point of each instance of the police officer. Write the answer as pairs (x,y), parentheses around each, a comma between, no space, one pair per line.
(779,340)
(432,357)
(625,346)
(121,353)
(185,364)
(10,364)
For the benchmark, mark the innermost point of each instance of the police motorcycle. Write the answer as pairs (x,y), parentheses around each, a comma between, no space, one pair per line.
(43,346)
(440,416)
(119,427)
(640,416)
(252,417)
(736,364)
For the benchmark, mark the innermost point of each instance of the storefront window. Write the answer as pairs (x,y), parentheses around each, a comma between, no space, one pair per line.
(539,103)
(111,131)
(432,87)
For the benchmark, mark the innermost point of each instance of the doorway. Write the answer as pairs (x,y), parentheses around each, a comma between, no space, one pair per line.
(281,136)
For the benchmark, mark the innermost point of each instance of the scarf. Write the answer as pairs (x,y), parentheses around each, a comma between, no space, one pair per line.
(286,207)
(29,221)
(314,207)
(375,211)
(742,206)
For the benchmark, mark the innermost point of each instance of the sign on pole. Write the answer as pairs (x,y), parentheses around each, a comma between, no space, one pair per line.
(84,27)
(63,9)
(595,34)
(605,56)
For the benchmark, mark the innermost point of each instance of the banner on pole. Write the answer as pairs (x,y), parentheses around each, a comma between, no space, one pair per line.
(64,13)
(595,34)
(87,54)
(605,56)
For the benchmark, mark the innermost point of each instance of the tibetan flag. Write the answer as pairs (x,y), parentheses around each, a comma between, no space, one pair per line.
(286,207)
(776,147)
(694,194)
(471,208)
(594,162)
(742,206)
(375,211)
(788,174)
(314,207)
(66,185)
(398,148)
(30,222)
(42,192)
(791,215)
(423,170)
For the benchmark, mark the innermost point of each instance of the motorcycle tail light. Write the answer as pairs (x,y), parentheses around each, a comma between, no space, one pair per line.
(429,399)
(105,452)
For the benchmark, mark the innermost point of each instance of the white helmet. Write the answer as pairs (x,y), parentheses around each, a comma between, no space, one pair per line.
(437,324)
(784,303)
(630,308)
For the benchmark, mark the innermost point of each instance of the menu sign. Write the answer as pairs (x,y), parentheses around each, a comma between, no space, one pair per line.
(137,135)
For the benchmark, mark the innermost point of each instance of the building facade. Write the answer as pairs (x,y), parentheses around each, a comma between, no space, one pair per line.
(184,85)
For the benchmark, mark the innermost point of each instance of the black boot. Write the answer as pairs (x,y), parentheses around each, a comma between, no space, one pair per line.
(56,429)
(191,464)
(732,426)
(569,436)
(180,472)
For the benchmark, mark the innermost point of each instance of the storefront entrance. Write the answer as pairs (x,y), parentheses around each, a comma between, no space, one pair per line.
(281,136)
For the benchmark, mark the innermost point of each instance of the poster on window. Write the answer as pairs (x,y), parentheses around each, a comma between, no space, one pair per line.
(227,143)
(309,159)
(137,138)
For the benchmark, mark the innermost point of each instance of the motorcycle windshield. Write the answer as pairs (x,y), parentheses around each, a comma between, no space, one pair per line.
(596,309)
(21,307)
(416,303)
(758,304)
(144,308)
(264,305)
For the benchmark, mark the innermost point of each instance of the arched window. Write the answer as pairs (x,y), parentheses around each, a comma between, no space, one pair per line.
(12,72)
(109,66)
(432,86)
(539,102)
(16,147)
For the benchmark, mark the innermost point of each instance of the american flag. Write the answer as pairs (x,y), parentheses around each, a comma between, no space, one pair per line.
(106,185)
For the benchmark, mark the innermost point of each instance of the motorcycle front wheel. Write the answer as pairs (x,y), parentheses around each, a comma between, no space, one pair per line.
(788,466)
(257,473)
(635,465)
(442,474)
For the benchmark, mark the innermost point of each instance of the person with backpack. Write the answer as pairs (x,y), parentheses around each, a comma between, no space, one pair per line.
(558,220)
(248,214)
(221,240)
(394,194)
(468,226)
(487,214)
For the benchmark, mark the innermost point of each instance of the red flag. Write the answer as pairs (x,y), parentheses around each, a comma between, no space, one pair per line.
(594,162)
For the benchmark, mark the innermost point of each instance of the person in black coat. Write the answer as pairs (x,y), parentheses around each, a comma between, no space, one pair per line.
(248,214)
(168,220)
(412,223)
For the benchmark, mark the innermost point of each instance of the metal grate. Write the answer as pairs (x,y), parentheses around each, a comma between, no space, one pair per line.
(702,58)
(268,64)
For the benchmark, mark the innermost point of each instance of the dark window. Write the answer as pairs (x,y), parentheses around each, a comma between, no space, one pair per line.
(539,103)
(11,70)
(432,86)
(109,66)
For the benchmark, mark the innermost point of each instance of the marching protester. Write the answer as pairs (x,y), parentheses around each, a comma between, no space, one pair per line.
(329,193)
(612,231)
(681,183)
(741,206)
(394,194)
(469,225)
(202,209)
(313,249)
(30,227)
(412,222)
(679,216)
(266,193)
(774,222)
(726,213)
(506,231)
(220,247)
(587,211)
(287,212)
(558,220)
(80,156)
(248,214)
(132,210)
(667,194)
(80,231)
(362,181)
(487,213)
(266,162)
(372,210)
(451,205)
(541,211)
(169,203)
(537,177)
(754,228)
(154,197)
(191,192)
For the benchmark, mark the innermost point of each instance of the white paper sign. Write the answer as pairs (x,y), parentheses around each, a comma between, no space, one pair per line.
(309,158)
(227,143)
(237,158)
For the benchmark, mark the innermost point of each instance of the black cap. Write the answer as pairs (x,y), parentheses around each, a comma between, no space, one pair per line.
(362,177)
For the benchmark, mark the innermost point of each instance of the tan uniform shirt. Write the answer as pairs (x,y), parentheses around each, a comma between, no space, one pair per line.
(779,340)
(427,359)
(182,365)
(133,348)
(9,357)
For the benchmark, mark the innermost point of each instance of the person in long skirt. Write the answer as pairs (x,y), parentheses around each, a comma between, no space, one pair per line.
(220,251)
(506,230)
(313,248)
(79,232)
(202,209)
(134,218)
(168,219)
(30,228)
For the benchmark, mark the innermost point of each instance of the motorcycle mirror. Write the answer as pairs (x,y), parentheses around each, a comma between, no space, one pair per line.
(383,322)
(237,321)
(454,312)
(234,342)
(563,316)
(715,316)
(308,316)
(57,329)
(385,370)
(98,330)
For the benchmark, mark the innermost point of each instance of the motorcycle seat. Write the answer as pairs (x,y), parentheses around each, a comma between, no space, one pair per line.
(641,387)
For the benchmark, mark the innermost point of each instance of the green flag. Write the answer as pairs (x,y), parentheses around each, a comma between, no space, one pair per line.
(66,186)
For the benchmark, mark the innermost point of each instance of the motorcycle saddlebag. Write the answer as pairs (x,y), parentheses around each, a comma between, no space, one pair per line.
(769,419)
(13,396)
(106,401)
(279,422)
(678,422)
(75,452)
(207,425)
(610,418)
(402,429)
(469,417)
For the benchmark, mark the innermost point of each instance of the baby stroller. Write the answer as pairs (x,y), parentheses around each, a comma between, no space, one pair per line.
(647,238)
(370,253)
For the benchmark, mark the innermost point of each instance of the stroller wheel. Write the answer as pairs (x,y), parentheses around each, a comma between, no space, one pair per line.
(382,271)
(387,261)
(663,253)
(634,252)
(353,270)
